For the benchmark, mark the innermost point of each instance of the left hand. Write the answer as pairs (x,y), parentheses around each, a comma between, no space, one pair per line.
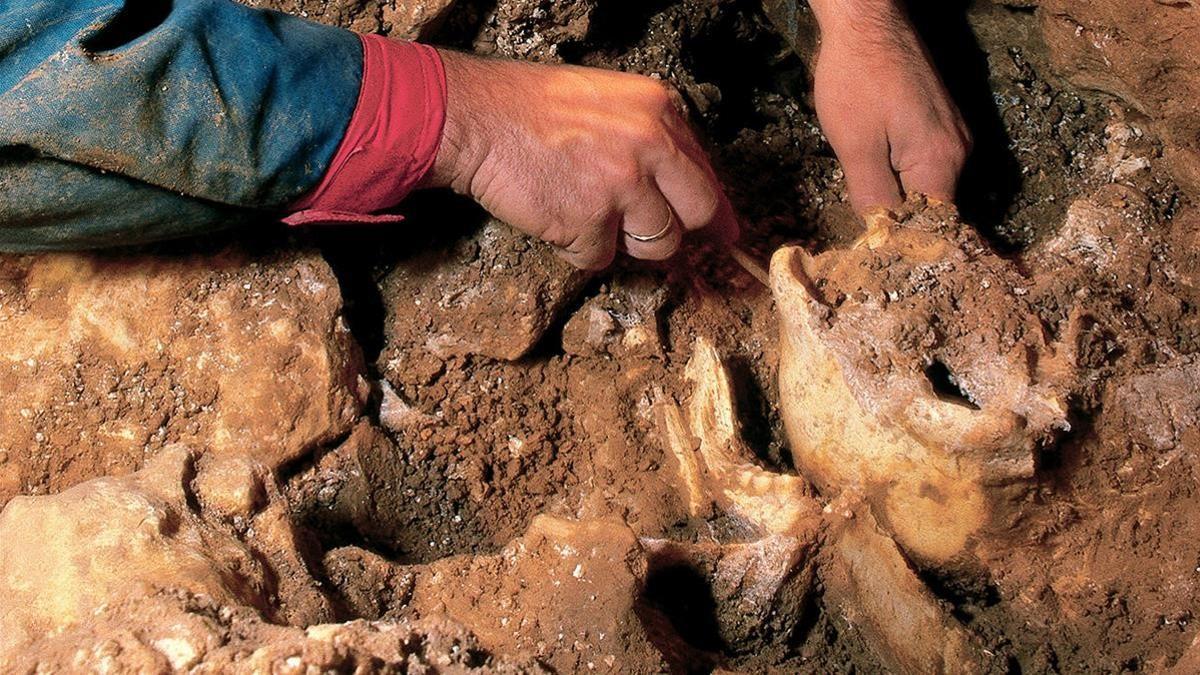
(885,110)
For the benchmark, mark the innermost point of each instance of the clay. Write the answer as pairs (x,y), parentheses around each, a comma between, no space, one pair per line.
(398,19)
(1142,53)
(180,631)
(414,19)
(494,295)
(564,592)
(914,370)
(537,29)
(105,360)
(622,321)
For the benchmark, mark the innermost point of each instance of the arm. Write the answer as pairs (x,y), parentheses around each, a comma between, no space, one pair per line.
(883,107)
(120,124)
(126,123)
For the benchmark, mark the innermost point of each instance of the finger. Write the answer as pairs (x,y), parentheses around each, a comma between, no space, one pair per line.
(649,215)
(594,248)
(685,177)
(869,177)
(935,176)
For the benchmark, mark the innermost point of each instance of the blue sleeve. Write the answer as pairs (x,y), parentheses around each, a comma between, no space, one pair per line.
(125,121)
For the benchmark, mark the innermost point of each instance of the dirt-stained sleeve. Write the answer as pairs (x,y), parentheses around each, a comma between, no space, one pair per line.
(120,118)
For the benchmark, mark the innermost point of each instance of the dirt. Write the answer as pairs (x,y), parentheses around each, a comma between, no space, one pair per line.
(465,455)
(108,359)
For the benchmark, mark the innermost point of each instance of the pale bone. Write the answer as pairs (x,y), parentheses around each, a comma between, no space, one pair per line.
(859,409)
(763,585)
(714,463)
(867,578)
(872,585)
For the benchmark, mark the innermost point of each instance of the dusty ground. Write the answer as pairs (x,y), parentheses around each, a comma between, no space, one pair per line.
(464,455)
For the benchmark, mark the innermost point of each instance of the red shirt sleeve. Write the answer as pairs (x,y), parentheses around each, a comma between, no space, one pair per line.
(391,141)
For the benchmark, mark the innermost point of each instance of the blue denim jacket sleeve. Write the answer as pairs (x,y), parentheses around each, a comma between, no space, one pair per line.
(127,121)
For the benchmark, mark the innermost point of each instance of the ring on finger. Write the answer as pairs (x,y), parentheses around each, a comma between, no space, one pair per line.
(661,234)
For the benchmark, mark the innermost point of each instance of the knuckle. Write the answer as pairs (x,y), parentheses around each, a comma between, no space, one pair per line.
(708,209)
(954,148)
(621,177)
(661,96)
(648,134)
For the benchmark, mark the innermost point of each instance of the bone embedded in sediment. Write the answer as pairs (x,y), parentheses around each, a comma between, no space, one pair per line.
(715,466)
(913,369)
(878,593)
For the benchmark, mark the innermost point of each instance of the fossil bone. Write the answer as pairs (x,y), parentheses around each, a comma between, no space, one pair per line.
(868,336)
(865,574)
(717,468)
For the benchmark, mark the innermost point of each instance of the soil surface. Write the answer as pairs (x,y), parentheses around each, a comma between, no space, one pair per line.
(453,452)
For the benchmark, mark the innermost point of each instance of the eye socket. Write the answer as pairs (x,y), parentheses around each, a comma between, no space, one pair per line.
(136,18)
(946,386)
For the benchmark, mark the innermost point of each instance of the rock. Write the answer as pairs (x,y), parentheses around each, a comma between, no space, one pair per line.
(1144,53)
(1157,410)
(795,21)
(1105,239)
(361,16)
(191,565)
(187,632)
(105,360)
(414,19)
(538,29)
(398,19)
(67,557)
(495,296)
(622,321)
(565,592)
(913,368)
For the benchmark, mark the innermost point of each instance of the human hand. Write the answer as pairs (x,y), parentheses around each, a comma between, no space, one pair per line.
(883,106)
(588,160)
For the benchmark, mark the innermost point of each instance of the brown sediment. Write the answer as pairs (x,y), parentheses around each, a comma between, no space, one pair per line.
(956,441)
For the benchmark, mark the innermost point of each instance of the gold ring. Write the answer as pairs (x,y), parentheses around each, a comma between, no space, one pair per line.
(646,239)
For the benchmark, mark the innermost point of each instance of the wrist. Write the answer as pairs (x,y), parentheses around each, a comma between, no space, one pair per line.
(865,22)
(463,134)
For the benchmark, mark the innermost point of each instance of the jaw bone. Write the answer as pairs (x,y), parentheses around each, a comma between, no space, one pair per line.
(719,470)
(763,584)
(869,334)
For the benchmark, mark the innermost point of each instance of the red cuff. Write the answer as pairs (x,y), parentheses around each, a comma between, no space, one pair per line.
(392,140)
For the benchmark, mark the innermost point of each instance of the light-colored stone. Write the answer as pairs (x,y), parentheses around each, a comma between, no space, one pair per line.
(66,557)
(104,360)
(414,19)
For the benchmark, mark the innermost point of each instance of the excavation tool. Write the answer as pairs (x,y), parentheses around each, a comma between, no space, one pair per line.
(752,266)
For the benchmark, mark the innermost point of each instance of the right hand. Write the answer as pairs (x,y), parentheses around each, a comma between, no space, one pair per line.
(578,157)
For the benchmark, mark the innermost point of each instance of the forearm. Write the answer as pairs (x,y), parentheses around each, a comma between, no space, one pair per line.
(870,20)
(116,129)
